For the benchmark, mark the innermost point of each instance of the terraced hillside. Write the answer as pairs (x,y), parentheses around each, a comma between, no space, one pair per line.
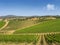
(47,26)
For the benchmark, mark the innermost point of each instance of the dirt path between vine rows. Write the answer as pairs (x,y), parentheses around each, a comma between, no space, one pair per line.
(37,33)
(44,41)
(53,44)
(39,41)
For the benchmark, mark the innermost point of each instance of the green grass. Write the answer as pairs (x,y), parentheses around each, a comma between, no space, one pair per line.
(47,26)
(2,23)
(18,38)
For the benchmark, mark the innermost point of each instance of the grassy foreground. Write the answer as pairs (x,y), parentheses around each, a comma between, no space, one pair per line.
(47,26)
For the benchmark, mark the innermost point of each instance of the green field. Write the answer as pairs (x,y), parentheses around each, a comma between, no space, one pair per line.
(19,38)
(47,26)
(2,23)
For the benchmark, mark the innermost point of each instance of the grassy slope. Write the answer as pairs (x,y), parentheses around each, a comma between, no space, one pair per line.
(17,24)
(13,24)
(48,26)
(18,38)
(1,23)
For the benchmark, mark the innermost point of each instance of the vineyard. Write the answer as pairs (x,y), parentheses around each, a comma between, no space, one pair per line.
(54,38)
(19,38)
(29,32)
(29,22)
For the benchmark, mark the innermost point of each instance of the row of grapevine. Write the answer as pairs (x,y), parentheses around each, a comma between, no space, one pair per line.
(52,38)
(19,38)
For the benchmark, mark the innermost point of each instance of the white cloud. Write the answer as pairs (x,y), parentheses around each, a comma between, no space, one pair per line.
(50,7)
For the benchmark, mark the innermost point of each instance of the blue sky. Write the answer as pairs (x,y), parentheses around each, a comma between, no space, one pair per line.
(29,7)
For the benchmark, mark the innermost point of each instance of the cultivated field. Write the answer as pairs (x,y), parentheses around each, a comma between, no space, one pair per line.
(30,32)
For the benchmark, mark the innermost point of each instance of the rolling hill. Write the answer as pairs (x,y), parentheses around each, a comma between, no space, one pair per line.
(47,26)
